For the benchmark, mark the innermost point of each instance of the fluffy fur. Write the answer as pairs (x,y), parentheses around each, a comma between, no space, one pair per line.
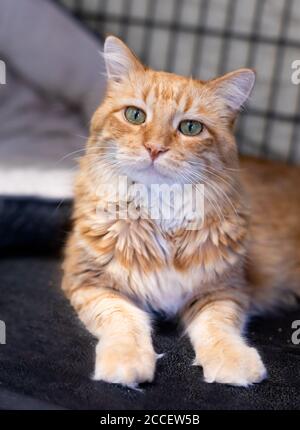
(241,258)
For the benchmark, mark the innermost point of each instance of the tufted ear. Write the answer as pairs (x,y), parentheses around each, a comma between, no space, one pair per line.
(120,61)
(234,87)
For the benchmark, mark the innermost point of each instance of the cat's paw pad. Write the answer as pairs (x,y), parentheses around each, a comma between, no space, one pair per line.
(239,365)
(126,364)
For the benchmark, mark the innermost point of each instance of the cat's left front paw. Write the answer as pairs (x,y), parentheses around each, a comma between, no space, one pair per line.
(236,364)
(125,363)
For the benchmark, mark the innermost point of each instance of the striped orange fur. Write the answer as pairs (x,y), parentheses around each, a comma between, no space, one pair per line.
(117,269)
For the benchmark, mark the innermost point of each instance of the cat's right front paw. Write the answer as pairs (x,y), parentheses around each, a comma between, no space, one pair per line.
(234,364)
(125,363)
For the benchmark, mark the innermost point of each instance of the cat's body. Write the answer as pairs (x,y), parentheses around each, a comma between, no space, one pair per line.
(273,252)
(214,275)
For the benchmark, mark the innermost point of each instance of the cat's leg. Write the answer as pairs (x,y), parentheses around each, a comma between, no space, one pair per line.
(215,330)
(124,353)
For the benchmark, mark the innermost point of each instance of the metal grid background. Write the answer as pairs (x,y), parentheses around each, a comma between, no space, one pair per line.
(206,38)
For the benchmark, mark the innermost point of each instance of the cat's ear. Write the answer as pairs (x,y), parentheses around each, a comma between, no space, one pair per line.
(234,87)
(119,59)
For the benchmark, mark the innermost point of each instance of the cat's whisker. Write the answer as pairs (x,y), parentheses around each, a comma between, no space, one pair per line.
(216,189)
(81,150)
(210,169)
(223,179)
(232,169)
(210,196)
(206,194)
(216,174)
(107,162)
(69,155)
(82,137)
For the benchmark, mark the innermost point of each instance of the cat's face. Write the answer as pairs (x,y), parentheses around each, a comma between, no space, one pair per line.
(157,127)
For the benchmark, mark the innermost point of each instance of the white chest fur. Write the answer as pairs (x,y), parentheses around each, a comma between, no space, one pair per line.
(164,290)
(170,208)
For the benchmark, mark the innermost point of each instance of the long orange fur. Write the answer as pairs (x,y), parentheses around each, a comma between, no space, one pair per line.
(244,258)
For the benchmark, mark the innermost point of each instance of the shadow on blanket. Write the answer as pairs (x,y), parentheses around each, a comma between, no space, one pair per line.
(49,354)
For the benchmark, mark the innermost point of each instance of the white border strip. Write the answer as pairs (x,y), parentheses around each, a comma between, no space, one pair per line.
(30,182)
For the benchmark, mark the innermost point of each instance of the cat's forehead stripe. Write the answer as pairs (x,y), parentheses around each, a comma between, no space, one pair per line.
(178,99)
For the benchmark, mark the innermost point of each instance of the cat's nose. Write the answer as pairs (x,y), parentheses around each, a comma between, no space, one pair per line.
(155,150)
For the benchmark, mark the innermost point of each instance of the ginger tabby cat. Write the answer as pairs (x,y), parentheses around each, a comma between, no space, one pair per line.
(159,128)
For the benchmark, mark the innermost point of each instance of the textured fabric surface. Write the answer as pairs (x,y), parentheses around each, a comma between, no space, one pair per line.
(31,225)
(49,354)
(54,82)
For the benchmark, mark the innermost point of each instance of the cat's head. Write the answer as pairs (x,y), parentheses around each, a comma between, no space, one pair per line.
(158,127)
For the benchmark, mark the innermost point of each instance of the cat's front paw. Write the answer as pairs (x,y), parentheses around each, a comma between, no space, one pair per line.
(238,365)
(126,363)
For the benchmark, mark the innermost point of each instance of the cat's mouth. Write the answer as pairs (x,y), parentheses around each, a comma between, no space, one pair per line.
(153,173)
(157,170)
(152,168)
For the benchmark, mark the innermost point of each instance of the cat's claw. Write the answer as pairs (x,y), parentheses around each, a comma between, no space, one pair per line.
(161,355)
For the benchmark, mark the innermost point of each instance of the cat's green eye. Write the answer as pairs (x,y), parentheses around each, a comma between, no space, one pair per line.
(135,115)
(190,127)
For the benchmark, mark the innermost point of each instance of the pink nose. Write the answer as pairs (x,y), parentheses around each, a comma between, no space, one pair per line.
(155,151)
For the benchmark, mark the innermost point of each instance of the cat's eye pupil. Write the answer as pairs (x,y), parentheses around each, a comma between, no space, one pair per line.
(135,115)
(190,127)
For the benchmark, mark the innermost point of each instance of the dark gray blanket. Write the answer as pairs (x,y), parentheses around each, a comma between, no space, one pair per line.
(49,354)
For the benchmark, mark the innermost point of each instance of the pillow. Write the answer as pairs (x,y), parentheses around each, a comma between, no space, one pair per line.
(54,81)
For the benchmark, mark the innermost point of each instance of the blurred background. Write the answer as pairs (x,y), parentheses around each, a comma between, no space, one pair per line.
(52,78)
(55,79)
(206,38)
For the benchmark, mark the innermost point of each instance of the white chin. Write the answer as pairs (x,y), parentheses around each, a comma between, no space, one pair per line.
(150,175)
